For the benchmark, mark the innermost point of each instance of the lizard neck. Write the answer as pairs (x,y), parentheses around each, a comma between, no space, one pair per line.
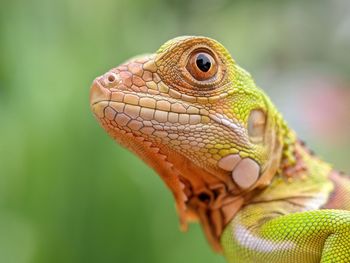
(304,183)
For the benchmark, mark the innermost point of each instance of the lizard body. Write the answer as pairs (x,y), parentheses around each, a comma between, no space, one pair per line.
(226,153)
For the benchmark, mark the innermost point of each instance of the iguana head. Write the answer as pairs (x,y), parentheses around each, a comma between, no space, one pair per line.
(197,118)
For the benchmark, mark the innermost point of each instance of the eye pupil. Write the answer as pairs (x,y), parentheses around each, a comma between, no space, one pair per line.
(203,62)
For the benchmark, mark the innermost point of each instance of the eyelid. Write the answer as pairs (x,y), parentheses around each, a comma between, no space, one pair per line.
(181,79)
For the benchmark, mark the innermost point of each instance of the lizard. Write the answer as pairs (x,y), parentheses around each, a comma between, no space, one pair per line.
(226,153)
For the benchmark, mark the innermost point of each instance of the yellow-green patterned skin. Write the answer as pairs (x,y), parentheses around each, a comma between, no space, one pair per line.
(313,236)
(285,223)
(226,153)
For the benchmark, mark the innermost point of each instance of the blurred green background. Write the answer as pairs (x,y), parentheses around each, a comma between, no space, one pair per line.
(67,192)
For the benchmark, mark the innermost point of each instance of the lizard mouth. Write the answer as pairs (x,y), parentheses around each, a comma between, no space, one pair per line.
(147,114)
(144,113)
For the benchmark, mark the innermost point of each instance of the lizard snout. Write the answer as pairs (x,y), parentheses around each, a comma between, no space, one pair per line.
(98,92)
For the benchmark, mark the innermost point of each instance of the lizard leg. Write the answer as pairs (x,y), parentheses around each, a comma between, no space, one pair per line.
(337,248)
(264,233)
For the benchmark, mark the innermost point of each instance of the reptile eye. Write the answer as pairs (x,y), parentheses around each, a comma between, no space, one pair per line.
(202,65)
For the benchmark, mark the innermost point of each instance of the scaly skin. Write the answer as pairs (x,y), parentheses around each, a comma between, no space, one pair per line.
(226,153)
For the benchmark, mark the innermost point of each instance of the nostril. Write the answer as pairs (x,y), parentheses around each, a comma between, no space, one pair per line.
(111,78)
